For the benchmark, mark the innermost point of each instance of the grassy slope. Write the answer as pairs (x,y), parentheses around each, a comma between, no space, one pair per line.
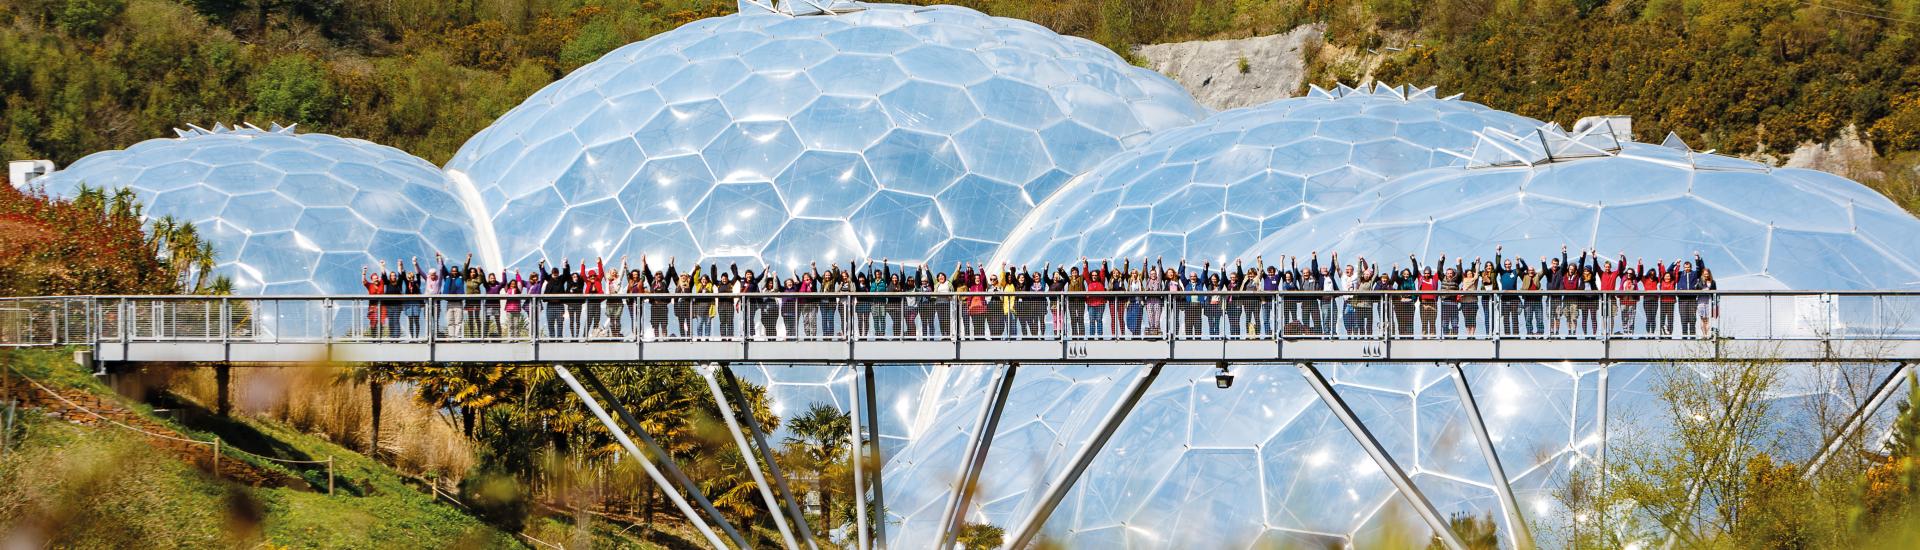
(110,476)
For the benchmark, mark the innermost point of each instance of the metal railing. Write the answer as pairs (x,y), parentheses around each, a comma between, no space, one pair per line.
(1014,316)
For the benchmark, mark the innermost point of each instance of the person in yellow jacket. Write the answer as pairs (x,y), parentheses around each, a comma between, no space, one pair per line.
(705,310)
(1006,286)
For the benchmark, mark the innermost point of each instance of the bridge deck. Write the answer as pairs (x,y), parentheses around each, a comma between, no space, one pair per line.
(1023,327)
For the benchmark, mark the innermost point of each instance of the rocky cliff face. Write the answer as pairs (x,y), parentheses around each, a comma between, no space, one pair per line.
(1226,74)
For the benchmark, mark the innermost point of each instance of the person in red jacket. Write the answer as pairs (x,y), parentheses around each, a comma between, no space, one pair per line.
(1096,304)
(1429,302)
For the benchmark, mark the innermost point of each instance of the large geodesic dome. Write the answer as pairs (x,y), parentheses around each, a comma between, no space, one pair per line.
(1758,227)
(920,134)
(1208,191)
(286,212)
(1265,463)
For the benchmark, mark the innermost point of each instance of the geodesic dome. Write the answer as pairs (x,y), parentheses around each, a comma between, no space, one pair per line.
(1757,227)
(919,134)
(287,213)
(1210,190)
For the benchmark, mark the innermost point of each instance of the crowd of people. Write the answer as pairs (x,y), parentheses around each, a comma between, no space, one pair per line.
(1580,297)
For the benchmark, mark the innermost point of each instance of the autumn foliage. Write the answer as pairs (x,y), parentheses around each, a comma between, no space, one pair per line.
(92,244)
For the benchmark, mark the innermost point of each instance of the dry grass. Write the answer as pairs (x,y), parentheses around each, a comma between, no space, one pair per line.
(319,400)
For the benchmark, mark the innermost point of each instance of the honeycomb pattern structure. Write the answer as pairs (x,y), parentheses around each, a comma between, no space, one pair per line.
(920,134)
(1264,463)
(1208,191)
(286,212)
(1756,226)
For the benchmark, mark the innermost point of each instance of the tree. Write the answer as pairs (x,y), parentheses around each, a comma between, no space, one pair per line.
(980,536)
(820,434)
(292,88)
(1477,532)
(93,243)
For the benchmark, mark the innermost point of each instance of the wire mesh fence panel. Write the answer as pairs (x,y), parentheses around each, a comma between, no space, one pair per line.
(996,316)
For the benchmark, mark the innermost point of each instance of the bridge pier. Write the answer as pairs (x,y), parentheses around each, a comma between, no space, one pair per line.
(766,453)
(872,400)
(666,461)
(983,432)
(748,455)
(652,472)
(1522,535)
(1859,418)
(1397,476)
(1057,490)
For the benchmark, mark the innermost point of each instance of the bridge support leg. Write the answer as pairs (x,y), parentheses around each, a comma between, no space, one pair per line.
(652,472)
(1057,489)
(1397,476)
(1859,418)
(872,399)
(653,448)
(855,444)
(747,455)
(983,429)
(766,453)
(1602,407)
(1522,535)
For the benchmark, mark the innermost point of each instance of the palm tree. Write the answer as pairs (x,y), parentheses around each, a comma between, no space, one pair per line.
(820,433)
(376,376)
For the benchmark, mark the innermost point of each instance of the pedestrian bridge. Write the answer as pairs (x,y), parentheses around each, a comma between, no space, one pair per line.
(980,328)
(569,333)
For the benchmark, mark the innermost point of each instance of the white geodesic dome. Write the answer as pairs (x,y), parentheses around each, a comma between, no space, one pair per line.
(286,212)
(919,134)
(1208,191)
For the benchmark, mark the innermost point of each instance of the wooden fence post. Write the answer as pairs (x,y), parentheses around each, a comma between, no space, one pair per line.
(216,457)
(329,475)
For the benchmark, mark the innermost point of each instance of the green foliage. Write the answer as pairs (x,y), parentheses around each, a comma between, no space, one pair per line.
(598,37)
(88,17)
(97,487)
(1477,532)
(497,498)
(1904,441)
(980,536)
(292,88)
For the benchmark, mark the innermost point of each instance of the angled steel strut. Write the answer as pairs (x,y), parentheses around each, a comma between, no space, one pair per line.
(873,424)
(1057,489)
(1522,535)
(766,453)
(983,432)
(1396,475)
(673,469)
(747,455)
(1859,418)
(652,472)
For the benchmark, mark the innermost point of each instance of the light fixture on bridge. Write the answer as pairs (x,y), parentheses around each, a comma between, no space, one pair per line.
(1223,379)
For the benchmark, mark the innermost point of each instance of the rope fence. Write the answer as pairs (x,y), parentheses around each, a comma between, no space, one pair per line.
(217,445)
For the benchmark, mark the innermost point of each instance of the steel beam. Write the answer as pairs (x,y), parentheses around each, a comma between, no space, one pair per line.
(1522,535)
(746,455)
(652,472)
(766,453)
(854,444)
(1395,475)
(1859,418)
(879,459)
(983,429)
(653,448)
(1604,442)
(1057,489)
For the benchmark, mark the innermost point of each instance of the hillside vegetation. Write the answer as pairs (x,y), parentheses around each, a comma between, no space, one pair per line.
(62,482)
(81,76)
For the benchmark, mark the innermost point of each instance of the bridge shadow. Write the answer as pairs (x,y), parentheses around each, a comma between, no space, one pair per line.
(247,437)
